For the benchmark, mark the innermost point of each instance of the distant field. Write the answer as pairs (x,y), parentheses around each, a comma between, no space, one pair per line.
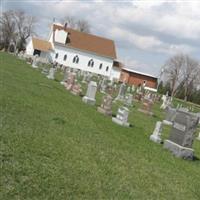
(53,146)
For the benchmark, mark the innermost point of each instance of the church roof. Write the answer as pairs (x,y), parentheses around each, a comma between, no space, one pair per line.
(88,42)
(41,45)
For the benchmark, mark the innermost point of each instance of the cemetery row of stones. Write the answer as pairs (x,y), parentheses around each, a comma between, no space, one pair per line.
(183,121)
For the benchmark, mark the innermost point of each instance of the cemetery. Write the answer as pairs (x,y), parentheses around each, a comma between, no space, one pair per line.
(71,133)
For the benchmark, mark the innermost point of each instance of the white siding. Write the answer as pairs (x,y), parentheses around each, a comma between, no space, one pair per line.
(115,73)
(29,48)
(60,36)
(84,58)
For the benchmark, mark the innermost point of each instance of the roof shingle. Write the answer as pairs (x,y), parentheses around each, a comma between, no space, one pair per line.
(88,42)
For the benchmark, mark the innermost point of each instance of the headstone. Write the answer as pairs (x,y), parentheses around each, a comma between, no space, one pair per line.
(129,89)
(76,89)
(133,88)
(147,107)
(70,81)
(84,77)
(122,92)
(128,100)
(122,117)
(157,133)
(106,106)
(103,86)
(51,74)
(89,98)
(167,101)
(34,63)
(170,116)
(66,73)
(182,135)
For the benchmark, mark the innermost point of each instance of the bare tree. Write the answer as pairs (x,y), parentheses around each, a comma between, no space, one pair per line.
(183,73)
(16,26)
(172,71)
(190,75)
(80,25)
(24,27)
(7,29)
(83,26)
(71,21)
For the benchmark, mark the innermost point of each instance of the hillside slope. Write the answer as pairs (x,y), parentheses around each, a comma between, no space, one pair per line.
(53,146)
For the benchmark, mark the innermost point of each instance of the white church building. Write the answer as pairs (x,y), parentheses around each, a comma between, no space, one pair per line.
(78,50)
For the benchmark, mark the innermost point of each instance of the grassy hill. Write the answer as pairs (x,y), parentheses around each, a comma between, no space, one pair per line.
(53,146)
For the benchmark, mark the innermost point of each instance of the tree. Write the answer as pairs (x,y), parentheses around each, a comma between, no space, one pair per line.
(24,27)
(172,71)
(17,27)
(7,29)
(83,26)
(182,72)
(191,72)
(80,25)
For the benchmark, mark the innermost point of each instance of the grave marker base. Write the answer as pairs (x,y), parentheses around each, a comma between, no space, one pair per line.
(145,111)
(179,151)
(103,111)
(155,139)
(167,122)
(88,100)
(117,121)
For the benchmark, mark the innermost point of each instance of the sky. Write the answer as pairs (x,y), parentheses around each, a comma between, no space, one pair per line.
(146,33)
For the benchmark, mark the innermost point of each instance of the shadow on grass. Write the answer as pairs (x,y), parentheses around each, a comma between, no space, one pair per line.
(196,158)
(59,120)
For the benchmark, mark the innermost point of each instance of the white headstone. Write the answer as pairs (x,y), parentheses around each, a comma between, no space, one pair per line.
(90,94)
(155,137)
(122,117)
(51,73)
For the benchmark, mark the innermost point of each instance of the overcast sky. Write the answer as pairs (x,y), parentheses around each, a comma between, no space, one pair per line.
(145,34)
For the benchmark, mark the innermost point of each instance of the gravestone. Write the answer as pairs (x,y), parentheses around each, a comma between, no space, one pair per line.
(122,92)
(182,135)
(51,74)
(106,105)
(76,89)
(34,63)
(122,117)
(70,81)
(167,101)
(103,86)
(128,100)
(147,107)
(129,89)
(66,72)
(170,116)
(89,98)
(84,77)
(133,88)
(155,137)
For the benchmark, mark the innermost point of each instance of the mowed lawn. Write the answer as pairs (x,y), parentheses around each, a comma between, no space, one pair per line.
(53,146)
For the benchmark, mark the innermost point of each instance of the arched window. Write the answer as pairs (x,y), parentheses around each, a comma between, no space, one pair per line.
(76,59)
(107,68)
(100,66)
(65,57)
(91,63)
(56,56)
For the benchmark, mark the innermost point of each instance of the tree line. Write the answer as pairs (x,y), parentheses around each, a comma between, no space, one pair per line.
(180,76)
(17,26)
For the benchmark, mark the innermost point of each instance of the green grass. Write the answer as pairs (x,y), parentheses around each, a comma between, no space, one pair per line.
(53,146)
